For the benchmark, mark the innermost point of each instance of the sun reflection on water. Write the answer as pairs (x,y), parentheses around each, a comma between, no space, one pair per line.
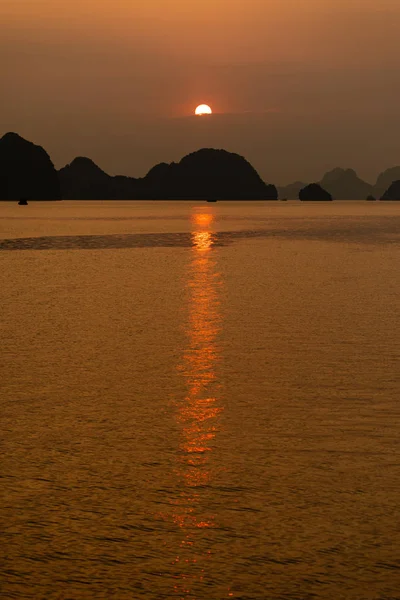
(198,413)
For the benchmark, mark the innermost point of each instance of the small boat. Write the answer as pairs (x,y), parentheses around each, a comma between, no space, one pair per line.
(23,202)
(211,200)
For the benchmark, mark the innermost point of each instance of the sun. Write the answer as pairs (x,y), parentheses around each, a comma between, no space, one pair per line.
(203,109)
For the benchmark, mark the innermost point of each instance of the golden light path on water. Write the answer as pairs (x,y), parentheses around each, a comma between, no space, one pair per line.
(198,413)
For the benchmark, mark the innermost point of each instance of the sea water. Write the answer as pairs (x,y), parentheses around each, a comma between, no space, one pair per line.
(200,401)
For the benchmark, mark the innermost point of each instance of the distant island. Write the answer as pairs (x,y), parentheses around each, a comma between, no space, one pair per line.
(344,184)
(27,173)
(393,192)
(314,191)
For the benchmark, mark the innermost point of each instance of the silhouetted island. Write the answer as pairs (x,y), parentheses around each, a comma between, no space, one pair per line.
(385,180)
(26,171)
(84,180)
(344,184)
(314,191)
(207,174)
(291,191)
(393,192)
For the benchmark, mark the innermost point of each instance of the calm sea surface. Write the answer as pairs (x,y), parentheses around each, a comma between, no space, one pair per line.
(200,401)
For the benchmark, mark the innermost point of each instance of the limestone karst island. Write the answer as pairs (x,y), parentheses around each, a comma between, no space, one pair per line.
(27,173)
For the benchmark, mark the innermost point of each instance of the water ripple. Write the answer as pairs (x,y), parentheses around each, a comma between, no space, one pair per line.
(372,231)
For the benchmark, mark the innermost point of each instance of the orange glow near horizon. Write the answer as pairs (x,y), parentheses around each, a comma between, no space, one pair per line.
(203,219)
(202,240)
(81,101)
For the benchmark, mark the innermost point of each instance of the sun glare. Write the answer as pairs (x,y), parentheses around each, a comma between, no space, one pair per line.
(203,109)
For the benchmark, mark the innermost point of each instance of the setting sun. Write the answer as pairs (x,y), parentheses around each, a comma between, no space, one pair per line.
(203,109)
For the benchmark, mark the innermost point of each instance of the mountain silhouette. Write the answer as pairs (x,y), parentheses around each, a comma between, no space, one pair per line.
(202,175)
(385,180)
(344,184)
(82,179)
(314,191)
(393,192)
(208,174)
(291,191)
(26,171)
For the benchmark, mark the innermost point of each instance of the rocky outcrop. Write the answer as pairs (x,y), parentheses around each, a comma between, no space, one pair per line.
(371,198)
(393,192)
(202,175)
(26,171)
(314,191)
(344,184)
(208,174)
(385,180)
(82,179)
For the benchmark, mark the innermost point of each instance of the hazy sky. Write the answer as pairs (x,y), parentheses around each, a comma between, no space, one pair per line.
(297,87)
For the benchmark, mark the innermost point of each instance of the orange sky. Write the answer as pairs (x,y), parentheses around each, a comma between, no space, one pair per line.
(117,79)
